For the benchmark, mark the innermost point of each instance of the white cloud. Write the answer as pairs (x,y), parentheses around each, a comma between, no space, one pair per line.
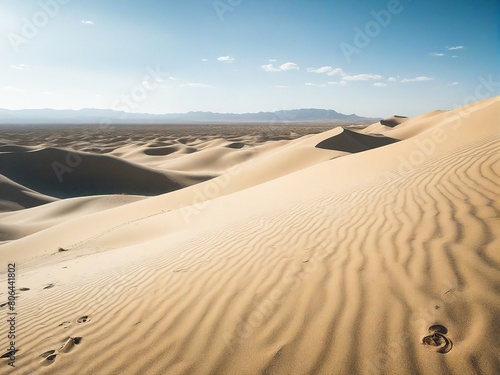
(281,68)
(455,47)
(20,67)
(453,84)
(417,79)
(436,54)
(379,84)
(361,77)
(87,22)
(323,69)
(281,87)
(270,68)
(9,88)
(340,83)
(392,79)
(289,66)
(337,71)
(226,59)
(454,56)
(204,60)
(345,77)
(315,84)
(196,85)
(272,60)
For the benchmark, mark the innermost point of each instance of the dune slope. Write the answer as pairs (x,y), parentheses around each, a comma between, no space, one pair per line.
(62,174)
(379,262)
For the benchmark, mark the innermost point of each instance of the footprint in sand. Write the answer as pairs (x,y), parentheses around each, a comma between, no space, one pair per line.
(9,353)
(69,344)
(83,319)
(438,339)
(65,324)
(48,357)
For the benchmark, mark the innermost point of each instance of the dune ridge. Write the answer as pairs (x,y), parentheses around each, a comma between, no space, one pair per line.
(352,142)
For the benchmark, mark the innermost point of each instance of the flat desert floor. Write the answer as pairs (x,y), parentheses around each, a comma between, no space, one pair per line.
(254,249)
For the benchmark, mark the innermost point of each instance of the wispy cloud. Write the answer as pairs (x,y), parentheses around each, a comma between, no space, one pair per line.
(454,56)
(454,48)
(436,54)
(196,85)
(273,60)
(316,84)
(226,59)
(453,84)
(289,66)
(416,79)
(87,22)
(339,83)
(344,77)
(281,87)
(380,84)
(20,67)
(328,70)
(323,69)
(361,77)
(204,60)
(283,67)
(9,88)
(392,79)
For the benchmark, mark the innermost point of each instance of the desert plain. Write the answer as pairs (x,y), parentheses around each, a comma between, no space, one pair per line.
(254,249)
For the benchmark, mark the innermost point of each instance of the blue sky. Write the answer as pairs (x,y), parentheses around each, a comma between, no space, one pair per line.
(372,58)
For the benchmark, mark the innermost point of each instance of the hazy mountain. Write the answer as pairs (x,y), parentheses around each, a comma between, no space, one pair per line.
(44,116)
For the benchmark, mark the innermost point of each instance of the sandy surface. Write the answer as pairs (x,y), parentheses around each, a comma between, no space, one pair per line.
(255,250)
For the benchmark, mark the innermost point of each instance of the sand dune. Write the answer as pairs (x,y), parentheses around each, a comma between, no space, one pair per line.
(352,142)
(21,223)
(383,261)
(393,121)
(62,174)
(15,196)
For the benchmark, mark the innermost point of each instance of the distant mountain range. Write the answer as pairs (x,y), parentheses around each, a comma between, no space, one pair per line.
(88,116)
